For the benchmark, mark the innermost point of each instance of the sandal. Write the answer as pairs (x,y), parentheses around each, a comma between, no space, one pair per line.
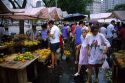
(51,66)
(76,62)
(96,81)
(87,81)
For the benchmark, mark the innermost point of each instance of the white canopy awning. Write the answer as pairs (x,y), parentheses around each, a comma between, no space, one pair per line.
(100,15)
(34,13)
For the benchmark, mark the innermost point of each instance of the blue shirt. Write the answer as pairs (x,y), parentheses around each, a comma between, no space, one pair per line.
(78,35)
(65,32)
(44,34)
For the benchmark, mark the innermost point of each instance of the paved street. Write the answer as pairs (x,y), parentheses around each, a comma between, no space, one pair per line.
(63,74)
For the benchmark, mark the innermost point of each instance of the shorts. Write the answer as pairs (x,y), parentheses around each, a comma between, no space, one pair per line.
(54,47)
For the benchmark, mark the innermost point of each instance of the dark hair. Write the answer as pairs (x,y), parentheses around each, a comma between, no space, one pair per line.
(80,22)
(113,21)
(94,28)
(1,25)
(65,24)
(84,23)
(51,22)
(44,25)
(123,24)
(33,25)
(90,24)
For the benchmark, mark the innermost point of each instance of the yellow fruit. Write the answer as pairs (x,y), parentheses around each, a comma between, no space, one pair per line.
(66,53)
(43,53)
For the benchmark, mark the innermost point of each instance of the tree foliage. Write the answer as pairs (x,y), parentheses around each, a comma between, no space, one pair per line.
(117,7)
(110,10)
(14,3)
(120,7)
(71,6)
(49,3)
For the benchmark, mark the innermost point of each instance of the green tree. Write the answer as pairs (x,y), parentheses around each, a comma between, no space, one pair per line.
(49,3)
(23,5)
(71,6)
(110,10)
(119,7)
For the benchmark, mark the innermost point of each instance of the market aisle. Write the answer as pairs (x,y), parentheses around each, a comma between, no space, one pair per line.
(61,74)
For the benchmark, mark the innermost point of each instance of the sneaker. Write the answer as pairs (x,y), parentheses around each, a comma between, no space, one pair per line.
(77,74)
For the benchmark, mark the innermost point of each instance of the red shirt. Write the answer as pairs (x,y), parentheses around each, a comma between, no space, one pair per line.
(122,33)
(61,40)
(73,28)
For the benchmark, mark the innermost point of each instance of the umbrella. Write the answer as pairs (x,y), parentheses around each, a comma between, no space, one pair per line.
(74,17)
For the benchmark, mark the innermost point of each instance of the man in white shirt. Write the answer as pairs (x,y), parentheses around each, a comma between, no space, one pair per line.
(110,31)
(54,42)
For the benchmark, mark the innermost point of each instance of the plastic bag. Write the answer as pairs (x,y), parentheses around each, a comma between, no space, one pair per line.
(64,57)
(105,65)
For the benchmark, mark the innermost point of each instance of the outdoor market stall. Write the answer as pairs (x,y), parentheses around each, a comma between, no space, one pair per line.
(100,17)
(118,15)
(21,65)
(16,68)
(119,66)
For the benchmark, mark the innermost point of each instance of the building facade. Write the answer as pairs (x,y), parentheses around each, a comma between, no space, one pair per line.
(94,7)
(110,4)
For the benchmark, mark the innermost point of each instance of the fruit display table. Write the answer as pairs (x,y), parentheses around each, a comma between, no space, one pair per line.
(15,71)
(2,48)
(119,67)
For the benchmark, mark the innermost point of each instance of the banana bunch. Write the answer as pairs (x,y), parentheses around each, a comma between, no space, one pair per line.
(23,57)
(43,53)
(66,53)
(1,44)
(28,56)
(2,60)
(30,43)
(11,43)
(19,58)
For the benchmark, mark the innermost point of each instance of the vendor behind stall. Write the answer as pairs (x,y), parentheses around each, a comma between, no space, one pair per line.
(44,36)
(33,33)
(2,30)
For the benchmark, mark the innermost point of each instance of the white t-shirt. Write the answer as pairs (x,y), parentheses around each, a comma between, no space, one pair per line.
(84,40)
(55,31)
(110,28)
(85,27)
(96,52)
(103,30)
